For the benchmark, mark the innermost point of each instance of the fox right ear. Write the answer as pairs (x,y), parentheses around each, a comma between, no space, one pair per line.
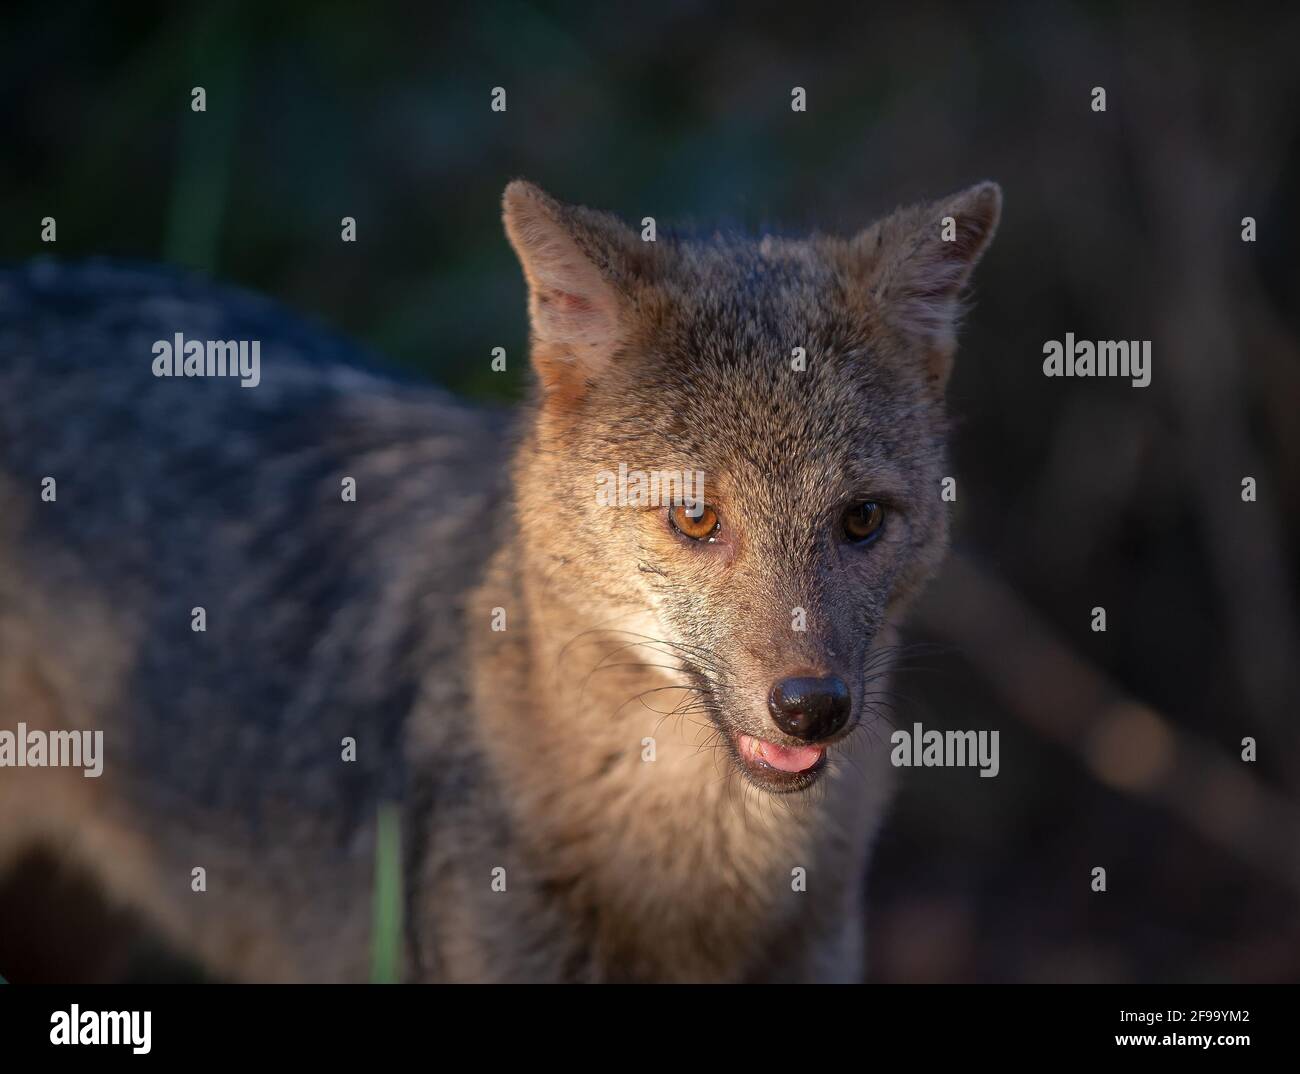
(574,261)
(918,260)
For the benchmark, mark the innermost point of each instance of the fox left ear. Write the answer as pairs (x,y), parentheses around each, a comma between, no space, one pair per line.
(579,265)
(918,260)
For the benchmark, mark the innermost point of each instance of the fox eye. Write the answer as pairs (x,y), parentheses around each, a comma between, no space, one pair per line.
(703,527)
(862,522)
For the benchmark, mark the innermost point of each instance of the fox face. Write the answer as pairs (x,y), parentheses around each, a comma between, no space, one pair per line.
(742,442)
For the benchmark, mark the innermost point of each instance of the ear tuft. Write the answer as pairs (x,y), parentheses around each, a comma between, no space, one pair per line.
(976,212)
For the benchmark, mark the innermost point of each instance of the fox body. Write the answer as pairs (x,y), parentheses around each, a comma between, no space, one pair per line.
(628,742)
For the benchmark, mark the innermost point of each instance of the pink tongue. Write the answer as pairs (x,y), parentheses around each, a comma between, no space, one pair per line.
(784,758)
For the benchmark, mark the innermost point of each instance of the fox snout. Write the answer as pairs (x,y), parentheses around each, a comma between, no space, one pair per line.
(809,708)
(808,713)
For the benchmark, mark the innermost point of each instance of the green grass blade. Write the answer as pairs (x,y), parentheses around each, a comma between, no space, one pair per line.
(386,937)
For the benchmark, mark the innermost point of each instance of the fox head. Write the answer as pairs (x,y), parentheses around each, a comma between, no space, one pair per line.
(804,380)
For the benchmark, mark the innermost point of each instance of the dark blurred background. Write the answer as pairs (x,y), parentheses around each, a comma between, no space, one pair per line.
(1119,749)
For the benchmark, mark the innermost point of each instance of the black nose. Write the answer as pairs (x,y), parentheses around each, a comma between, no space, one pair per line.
(810,709)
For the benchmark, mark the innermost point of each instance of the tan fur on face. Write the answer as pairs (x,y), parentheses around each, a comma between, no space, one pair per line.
(671,869)
(644,854)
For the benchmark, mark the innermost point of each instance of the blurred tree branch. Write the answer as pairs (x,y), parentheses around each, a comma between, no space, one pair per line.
(1125,743)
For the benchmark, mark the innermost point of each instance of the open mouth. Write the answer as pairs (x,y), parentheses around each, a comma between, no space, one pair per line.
(779,768)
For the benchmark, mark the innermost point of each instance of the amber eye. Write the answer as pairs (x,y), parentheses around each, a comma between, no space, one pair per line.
(701,527)
(862,522)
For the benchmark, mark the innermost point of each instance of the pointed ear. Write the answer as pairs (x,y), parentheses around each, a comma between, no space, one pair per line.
(575,262)
(918,260)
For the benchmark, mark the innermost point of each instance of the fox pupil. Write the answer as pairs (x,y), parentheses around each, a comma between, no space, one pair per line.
(703,527)
(862,523)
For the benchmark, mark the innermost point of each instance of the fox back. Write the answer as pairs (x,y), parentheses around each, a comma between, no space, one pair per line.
(223,746)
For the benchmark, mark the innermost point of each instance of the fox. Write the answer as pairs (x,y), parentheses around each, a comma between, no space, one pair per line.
(627,741)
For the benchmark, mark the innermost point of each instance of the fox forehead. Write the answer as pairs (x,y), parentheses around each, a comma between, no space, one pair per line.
(732,388)
(772,448)
(725,321)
